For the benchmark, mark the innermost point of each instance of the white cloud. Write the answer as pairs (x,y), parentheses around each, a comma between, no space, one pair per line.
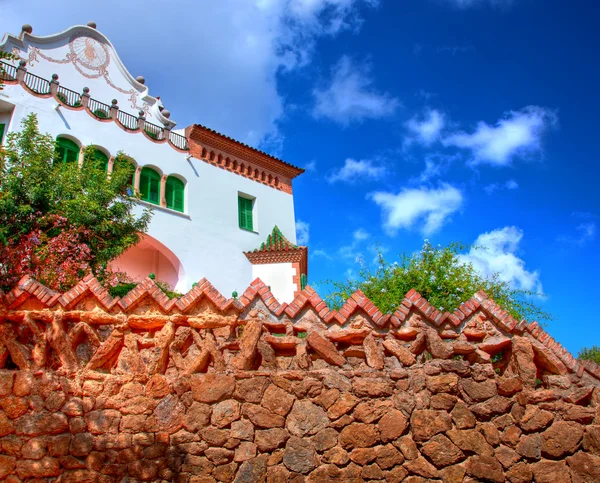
(519,134)
(425,129)
(352,250)
(353,171)
(511,184)
(464,4)
(455,49)
(219,60)
(436,164)
(302,232)
(428,208)
(586,232)
(496,252)
(311,167)
(320,253)
(350,97)
(361,234)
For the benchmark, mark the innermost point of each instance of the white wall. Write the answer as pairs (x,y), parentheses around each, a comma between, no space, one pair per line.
(206,239)
(279,276)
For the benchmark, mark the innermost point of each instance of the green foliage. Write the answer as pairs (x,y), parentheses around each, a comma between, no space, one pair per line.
(439,275)
(590,354)
(101,114)
(301,335)
(152,134)
(121,289)
(4,56)
(33,187)
(168,290)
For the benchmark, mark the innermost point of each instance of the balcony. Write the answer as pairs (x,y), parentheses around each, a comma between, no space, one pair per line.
(73,100)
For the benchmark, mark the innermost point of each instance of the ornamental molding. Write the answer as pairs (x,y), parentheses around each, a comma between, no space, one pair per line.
(206,136)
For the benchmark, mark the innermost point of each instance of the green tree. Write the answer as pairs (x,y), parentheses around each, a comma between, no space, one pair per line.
(590,354)
(54,214)
(439,275)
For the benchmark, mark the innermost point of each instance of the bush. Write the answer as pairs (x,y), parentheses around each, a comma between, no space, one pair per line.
(59,221)
(590,354)
(440,276)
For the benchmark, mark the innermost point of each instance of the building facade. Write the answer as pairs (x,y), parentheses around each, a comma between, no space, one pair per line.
(214,199)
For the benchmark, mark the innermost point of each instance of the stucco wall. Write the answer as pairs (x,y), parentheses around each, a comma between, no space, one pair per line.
(206,238)
(278,276)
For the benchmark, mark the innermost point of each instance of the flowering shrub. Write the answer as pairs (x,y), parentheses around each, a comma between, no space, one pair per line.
(439,275)
(52,252)
(59,221)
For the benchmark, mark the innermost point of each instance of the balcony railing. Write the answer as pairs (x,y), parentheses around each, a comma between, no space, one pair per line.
(74,100)
(8,72)
(99,109)
(68,97)
(128,121)
(178,141)
(36,84)
(154,131)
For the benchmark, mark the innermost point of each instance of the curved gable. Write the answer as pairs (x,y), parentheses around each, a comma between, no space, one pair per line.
(83,57)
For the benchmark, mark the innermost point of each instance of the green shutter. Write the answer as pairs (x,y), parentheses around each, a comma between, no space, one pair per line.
(101,160)
(66,151)
(174,192)
(245,213)
(2,129)
(150,186)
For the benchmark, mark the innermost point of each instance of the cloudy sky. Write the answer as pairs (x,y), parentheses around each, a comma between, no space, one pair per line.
(451,120)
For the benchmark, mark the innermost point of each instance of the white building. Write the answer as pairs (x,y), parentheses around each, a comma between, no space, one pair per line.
(214,198)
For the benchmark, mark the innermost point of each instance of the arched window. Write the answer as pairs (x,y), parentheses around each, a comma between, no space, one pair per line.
(122,162)
(150,186)
(100,159)
(174,192)
(66,151)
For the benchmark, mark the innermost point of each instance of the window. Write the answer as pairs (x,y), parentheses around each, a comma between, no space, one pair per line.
(150,186)
(122,162)
(245,206)
(66,151)
(100,159)
(174,192)
(2,129)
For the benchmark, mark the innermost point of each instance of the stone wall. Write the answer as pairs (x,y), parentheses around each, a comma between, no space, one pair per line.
(203,389)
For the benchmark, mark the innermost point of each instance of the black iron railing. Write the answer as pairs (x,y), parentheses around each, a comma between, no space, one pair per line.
(7,72)
(99,109)
(178,141)
(36,84)
(128,121)
(154,131)
(39,85)
(68,97)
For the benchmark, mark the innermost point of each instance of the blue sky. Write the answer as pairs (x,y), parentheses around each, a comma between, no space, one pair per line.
(451,120)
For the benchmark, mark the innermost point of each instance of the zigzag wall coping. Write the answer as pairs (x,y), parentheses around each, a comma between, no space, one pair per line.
(477,330)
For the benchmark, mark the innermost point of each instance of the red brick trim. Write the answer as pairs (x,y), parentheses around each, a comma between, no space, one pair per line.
(235,157)
(448,325)
(296,256)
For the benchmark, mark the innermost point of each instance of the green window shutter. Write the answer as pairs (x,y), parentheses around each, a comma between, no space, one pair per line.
(150,186)
(245,213)
(66,151)
(2,129)
(101,160)
(174,192)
